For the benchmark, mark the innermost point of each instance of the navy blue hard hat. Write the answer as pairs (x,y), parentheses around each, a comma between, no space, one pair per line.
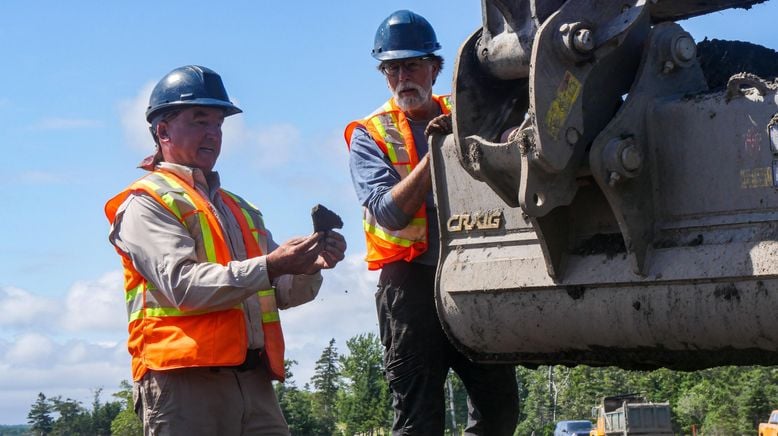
(190,85)
(402,35)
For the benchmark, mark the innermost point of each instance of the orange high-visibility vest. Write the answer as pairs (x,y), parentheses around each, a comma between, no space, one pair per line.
(161,336)
(389,128)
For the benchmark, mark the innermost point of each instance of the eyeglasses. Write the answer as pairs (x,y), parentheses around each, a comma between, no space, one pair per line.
(392,69)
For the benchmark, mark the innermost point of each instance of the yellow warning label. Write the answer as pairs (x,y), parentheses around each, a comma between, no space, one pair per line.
(566,94)
(756,178)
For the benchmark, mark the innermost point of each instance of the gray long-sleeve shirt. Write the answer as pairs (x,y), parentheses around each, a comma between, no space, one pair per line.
(163,251)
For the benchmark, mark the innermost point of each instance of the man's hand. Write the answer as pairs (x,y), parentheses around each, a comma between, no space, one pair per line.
(334,250)
(439,125)
(306,254)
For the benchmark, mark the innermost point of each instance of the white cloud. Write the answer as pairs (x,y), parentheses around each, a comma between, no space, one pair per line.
(344,308)
(132,115)
(21,308)
(333,149)
(74,369)
(267,147)
(70,365)
(71,345)
(96,305)
(89,307)
(29,350)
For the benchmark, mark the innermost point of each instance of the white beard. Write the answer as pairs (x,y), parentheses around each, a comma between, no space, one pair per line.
(412,102)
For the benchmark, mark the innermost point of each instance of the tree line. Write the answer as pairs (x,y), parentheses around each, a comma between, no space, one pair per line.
(348,395)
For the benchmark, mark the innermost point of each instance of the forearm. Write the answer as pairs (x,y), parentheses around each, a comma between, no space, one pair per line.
(196,286)
(410,194)
(378,185)
(164,253)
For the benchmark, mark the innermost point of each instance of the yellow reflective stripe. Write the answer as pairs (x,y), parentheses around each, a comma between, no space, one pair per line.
(210,248)
(446,102)
(390,148)
(166,197)
(171,202)
(397,152)
(270,317)
(138,314)
(382,131)
(250,221)
(133,302)
(130,294)
(267,303)
(418,222)
(386,236)
(167,311)
(253,226)
(394,154)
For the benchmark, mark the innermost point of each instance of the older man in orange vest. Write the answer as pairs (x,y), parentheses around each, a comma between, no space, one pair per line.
(390,169)
(203,278)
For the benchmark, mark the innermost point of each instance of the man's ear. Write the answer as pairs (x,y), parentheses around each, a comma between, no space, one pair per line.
(162,130)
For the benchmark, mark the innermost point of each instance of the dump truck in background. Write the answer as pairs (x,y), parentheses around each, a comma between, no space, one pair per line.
(631,415)
(769,428)
(609,194)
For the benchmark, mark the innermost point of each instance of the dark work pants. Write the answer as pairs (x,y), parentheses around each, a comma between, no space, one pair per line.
(418,356)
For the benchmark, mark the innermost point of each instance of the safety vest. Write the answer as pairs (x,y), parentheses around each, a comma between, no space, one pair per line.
(389,128)
(161,336)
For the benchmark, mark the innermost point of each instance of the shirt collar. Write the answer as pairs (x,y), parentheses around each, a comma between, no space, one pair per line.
(194,177)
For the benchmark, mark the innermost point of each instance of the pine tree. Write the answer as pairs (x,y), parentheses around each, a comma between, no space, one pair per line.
(326,381)
(39,416)
(74,419)
(297,405)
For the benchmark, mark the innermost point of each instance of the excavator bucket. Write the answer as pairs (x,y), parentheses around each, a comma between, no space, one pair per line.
(673,10)
(600,201)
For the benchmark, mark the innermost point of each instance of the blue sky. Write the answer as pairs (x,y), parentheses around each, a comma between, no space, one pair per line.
(76,81)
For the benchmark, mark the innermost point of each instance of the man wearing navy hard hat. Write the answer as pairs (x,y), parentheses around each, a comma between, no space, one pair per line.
(203,277)
(390,169)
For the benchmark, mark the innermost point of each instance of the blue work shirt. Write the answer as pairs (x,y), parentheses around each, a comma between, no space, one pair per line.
(374,177)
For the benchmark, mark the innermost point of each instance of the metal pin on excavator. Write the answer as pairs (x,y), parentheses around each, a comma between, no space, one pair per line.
(605,198)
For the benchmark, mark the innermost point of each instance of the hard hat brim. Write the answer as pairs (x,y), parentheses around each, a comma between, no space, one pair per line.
(227,107)
(392,55)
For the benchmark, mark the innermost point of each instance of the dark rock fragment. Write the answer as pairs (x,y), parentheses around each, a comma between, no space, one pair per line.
(324,219)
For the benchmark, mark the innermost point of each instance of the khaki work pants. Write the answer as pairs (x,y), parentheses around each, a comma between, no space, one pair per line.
(208,401)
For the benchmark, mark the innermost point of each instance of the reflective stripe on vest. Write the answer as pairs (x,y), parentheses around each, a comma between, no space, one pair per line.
(390,129)
(254,237)
(161,335)
(154,303)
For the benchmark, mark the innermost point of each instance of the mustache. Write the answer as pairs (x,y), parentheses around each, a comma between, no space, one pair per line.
(409,86)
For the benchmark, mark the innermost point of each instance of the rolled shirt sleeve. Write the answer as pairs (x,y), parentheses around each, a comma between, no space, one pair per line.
(374,177)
